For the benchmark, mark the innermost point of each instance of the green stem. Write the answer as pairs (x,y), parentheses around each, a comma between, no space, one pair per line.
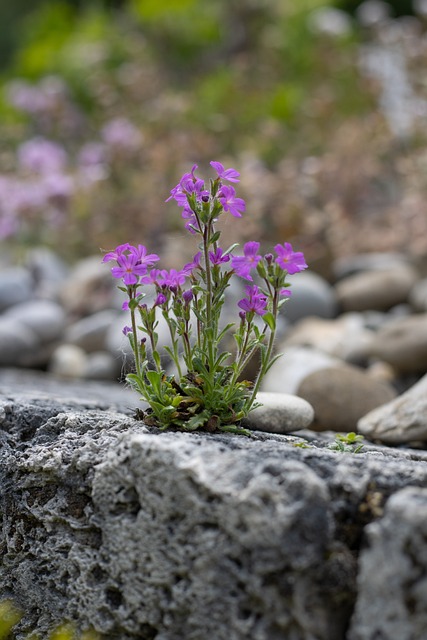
(135,343)
(267,357)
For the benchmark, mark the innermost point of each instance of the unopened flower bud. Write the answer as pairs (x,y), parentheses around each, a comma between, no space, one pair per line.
(269,258)
(188,296)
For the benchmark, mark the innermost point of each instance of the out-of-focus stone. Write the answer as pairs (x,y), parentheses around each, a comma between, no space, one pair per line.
(101,365)
(89,288)
(418,296)
(341,395)
(48,272)
(16,285)
(17,342)
(90,333)
(68,361)
(378,289)
(44,317)
(345,337)
(296,363)
(403,344)
(403,419)
(312,295)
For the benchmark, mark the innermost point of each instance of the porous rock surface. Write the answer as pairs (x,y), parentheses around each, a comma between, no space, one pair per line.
(167,536)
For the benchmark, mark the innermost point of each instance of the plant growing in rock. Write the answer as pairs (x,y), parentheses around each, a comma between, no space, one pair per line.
(206,391)
(347,443)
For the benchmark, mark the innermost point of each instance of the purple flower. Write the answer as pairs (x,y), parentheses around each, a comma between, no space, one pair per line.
(126,330)
(227,197)
(129,268)
(242,265)
(256,301)
(187,296)
(120,133)
(218,257)
(286,293)
(225,174)
(178,193)
(173,278)
(118,251)
(42,156)
(161,299)
(190,266)
(288,259)
(143,258)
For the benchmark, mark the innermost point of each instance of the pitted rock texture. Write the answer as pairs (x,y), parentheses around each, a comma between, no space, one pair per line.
(168,536)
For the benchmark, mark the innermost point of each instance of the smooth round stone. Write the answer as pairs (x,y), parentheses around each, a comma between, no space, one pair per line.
(403,419)
(279,413)
(16,286)
(377,289)
(418,296)
(48,271)
(403,344)
(68,361)
(349,265)
(44,317)
(296,363)
(16,342)
(341,395)
(90,333)
(312,295)
(101,365)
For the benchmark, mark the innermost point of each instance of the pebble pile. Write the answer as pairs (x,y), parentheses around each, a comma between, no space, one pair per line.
(355,347)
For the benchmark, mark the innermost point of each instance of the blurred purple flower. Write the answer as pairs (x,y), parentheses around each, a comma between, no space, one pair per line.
(243,265)
(225,174)
(288,259)
(190,266)
(41,156)
(255,302)
(126,330)
(92,154)
(227,197)
(120,133)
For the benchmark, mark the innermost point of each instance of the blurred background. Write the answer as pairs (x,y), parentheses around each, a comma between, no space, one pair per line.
(321,107)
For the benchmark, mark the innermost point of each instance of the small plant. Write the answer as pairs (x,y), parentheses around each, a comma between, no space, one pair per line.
(347,443)
(206,391)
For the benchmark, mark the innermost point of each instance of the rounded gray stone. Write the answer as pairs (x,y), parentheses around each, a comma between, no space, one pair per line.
(280,413)
(312,295)
(16,286)
(44,317)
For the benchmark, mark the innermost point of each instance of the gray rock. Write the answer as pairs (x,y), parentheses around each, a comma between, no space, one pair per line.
(418,296)
(403,344)
(312,295)
(404,419)
(68,361)
(141,533)
(16,285)
(280,413)
(101,365)
(392,594)
(17,342)
(89,287)
(345,337)
(48,272)
(350,265)
(296,363)
(377,289)
(44,317)
(341,395)
(90,332)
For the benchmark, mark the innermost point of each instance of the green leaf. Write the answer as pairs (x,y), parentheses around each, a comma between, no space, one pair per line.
(197,421)
(270,320)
